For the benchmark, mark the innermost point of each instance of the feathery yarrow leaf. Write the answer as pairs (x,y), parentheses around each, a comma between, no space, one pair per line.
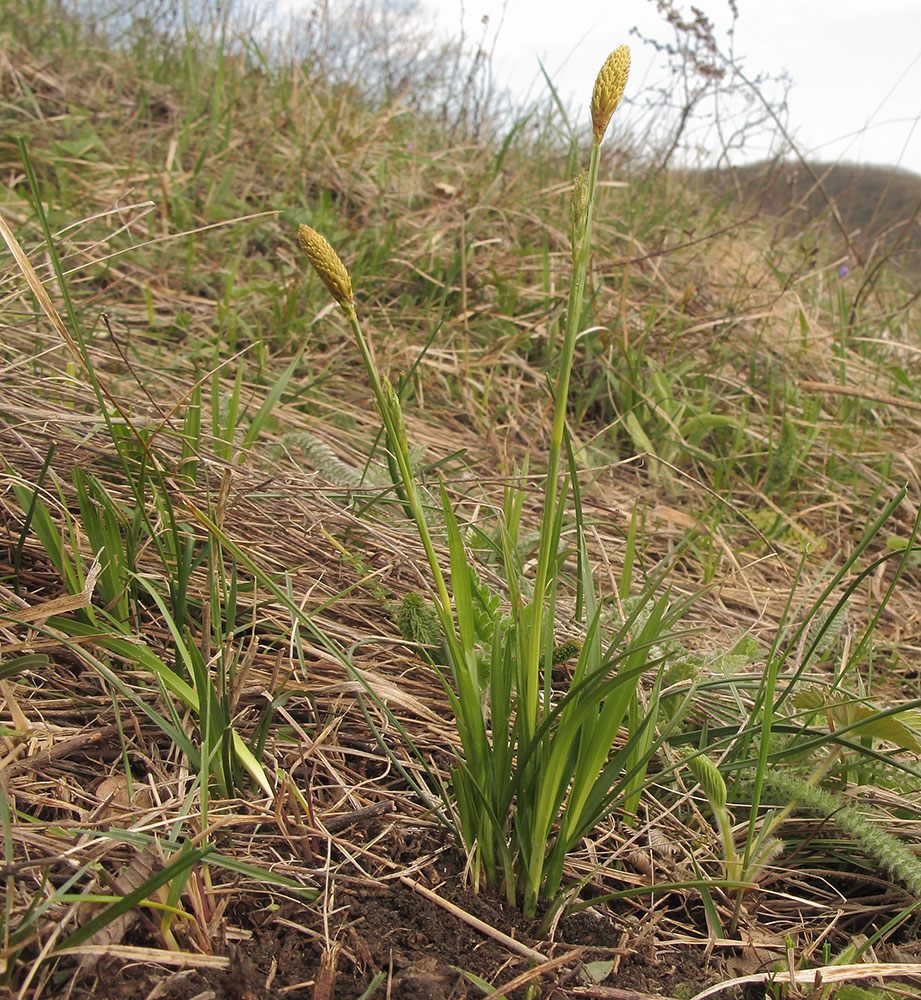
(418,621)
(328,265)
(326,461)
(892,853)
(567,650)
(609,89)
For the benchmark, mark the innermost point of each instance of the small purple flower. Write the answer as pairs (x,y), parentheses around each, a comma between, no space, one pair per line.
(843,271)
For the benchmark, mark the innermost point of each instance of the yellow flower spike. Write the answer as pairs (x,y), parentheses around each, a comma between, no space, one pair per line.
(328,265)
(609,89)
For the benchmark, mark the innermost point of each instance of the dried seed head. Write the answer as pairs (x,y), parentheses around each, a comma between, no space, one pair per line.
(609,89)
(327,264)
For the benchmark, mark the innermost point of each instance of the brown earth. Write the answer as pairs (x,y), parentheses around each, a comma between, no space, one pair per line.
(423,949)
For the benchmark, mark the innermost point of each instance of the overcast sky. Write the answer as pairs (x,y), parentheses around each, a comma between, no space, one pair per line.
(855,66)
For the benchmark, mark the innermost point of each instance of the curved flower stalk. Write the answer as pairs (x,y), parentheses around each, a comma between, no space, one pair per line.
(334,274)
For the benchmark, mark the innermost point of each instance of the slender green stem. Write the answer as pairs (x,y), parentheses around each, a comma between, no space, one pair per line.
(582,229)
(388,407)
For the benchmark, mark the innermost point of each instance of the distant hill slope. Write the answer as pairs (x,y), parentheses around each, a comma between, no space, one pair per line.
(879,207)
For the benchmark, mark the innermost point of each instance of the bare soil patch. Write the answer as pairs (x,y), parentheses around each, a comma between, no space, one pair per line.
(423,948)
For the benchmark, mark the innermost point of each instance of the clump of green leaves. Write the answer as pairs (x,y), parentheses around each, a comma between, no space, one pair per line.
(536,769)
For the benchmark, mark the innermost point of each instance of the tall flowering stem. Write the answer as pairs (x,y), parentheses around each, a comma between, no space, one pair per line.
(609,88)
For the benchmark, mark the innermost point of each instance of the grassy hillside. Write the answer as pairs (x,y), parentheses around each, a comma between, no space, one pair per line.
(873,212)
(243,728)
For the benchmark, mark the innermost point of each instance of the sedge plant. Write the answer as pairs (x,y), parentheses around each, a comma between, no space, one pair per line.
(536,769)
